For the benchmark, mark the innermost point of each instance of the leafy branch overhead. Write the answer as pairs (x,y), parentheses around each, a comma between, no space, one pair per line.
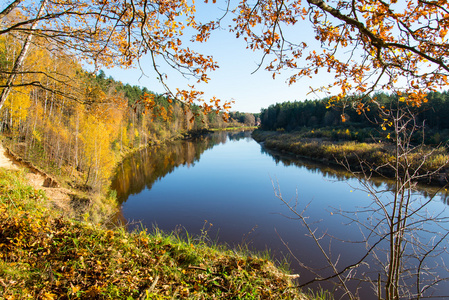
(367,45)
(110,33)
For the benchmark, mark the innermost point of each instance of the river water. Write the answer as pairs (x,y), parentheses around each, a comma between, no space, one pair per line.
(224,184)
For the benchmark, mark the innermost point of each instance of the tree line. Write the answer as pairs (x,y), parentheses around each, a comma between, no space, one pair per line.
(433,114)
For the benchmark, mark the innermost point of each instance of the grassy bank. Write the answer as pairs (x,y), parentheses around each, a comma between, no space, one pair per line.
(46,256)
(372,156)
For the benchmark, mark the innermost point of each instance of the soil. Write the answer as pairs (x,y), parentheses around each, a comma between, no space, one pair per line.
(59,197)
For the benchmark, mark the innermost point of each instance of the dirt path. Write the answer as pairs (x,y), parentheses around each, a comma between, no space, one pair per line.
(5,162)
(59,197)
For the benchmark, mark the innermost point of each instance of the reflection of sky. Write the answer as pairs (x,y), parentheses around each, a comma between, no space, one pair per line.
(230,187)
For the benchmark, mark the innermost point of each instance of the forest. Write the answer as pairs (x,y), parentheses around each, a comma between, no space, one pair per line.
(432,116)
(78,129)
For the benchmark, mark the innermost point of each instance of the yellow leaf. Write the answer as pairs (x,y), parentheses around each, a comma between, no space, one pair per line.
(75,289)
(49,296)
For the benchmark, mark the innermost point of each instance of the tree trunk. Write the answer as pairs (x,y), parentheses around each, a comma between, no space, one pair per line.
(19,60)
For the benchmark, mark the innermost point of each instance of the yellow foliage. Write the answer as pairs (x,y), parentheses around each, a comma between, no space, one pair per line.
(37,135)
(18,103)
(124,136)
(97,140)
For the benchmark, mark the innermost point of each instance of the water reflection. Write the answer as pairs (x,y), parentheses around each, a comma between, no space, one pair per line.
(239,135)
(339,173)
(142,169)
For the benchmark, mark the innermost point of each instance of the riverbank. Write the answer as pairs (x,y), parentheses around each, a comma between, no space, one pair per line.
(47,256)
(358,157)
(67,185)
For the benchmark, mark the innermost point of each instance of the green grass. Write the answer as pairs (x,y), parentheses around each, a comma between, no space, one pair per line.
(46,256)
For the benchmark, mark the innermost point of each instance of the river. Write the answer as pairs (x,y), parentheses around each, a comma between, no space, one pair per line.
(223,183)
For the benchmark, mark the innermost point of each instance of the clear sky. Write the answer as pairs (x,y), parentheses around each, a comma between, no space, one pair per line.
(233,80)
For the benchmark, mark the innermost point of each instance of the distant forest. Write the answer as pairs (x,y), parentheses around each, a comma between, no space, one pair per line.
(294,116)
(212,120)
(162,106)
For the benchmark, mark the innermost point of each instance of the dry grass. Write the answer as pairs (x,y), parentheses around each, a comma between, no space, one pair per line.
(353,154)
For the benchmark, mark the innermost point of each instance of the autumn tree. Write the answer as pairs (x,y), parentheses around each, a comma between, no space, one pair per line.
(399,46)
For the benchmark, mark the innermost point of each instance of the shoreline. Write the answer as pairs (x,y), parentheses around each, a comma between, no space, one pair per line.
(364,159)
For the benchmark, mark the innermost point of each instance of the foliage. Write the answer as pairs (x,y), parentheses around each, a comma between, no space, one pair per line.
(244,118)
(397,45)
(18,104)
(49,257)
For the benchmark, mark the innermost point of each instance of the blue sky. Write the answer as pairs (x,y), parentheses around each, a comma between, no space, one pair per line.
(233,80)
